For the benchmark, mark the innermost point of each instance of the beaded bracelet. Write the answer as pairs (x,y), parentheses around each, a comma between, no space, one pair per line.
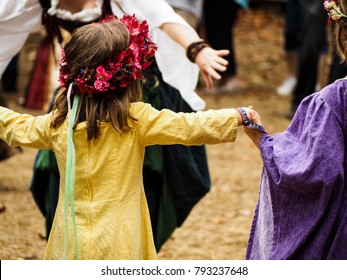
(248,123)
(194,48)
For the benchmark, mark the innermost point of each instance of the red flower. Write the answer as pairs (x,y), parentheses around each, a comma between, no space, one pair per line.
(102,78)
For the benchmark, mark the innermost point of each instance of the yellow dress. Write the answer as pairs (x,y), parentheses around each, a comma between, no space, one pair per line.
(112,217)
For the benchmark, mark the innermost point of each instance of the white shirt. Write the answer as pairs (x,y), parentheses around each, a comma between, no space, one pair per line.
(19,18)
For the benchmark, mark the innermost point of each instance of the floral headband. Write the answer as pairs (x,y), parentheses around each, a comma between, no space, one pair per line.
(117,73)
(334,11)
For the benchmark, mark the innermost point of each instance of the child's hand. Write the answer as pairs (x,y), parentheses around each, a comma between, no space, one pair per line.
(247,115)
(254,116)
(252,123)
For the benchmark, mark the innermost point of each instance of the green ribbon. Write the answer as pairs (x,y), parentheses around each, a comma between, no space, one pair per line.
(70,171)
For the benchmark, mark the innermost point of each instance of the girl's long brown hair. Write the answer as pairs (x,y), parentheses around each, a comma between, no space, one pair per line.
(90,46)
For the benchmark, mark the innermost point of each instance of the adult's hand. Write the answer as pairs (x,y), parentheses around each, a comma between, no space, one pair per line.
(210,61)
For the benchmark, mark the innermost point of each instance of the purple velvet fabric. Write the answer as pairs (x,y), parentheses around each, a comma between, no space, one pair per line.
(302,207)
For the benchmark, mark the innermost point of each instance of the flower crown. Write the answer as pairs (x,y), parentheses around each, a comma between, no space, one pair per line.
(116,73)
(334,11)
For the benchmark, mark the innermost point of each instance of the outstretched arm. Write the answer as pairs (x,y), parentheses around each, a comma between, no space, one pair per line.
(166,127)
(25,130)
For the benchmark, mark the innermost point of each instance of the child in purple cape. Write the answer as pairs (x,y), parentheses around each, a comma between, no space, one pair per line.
(302,208)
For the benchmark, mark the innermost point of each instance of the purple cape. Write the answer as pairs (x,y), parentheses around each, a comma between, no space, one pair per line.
(302,207)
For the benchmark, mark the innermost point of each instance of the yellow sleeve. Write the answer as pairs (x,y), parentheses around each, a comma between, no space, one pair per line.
(25,130)
(166,127)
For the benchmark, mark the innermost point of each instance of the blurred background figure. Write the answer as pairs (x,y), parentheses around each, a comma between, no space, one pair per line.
(291,45)
(10,76)
(291,29)
(219,20)
(312,39)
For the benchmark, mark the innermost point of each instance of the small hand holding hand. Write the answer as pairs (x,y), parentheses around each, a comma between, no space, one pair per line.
(255,129)
(210,61)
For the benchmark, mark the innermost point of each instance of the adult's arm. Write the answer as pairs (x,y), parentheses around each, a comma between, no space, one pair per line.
(173,34)
(17,20)
(209,60)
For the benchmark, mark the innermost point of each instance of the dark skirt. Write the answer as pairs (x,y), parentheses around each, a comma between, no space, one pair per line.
(176,177)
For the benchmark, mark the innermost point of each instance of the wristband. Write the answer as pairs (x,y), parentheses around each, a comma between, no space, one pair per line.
(246,122)
(194,49)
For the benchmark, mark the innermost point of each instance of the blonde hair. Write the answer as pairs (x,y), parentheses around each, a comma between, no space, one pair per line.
(90,46)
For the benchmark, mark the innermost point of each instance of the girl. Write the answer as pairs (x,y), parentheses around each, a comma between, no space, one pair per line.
(302,206)
(100,142)
(170,83)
